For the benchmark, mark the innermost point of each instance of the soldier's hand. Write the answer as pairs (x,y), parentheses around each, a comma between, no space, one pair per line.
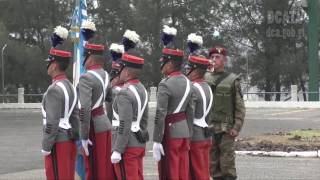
(233,133)
(45,153)
(85,144)
(115,157)
(157,151)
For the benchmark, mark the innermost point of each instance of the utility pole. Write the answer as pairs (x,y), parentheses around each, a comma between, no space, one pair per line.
(2,68)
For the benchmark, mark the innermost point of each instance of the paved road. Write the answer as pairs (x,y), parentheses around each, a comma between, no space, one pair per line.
(20,137)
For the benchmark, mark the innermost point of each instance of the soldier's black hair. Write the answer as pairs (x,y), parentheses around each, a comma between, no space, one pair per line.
(201,71)
(135,72)
(63,65)
(176,65)
(98,59)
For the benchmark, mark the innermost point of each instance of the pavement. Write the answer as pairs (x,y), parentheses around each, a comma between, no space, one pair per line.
(21,130)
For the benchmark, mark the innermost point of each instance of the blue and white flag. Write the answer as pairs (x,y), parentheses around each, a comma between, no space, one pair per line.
(79,16)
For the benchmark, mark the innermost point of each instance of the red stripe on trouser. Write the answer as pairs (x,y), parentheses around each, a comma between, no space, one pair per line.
(175,164)
(101,157)
(65,161)
(133,163)
(199,157)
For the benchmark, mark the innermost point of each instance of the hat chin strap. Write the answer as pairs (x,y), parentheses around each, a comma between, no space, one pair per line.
(191,70)
(85,60)
(163,63)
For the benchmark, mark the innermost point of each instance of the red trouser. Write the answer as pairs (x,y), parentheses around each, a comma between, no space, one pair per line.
(175,163)
(199,160)
(61,161)
(98,163)
(131,165)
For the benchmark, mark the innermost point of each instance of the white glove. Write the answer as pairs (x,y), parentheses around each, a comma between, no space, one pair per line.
(157,151)
(85,144)
(45,153)
(115,157)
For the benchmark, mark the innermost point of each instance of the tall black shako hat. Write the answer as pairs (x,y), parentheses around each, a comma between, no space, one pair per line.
(130,40)
(197,62)
(194,43)
(116,51)
(128,60)
(92,49)
(88,30)
(59,35)
(169,52)
(58,55)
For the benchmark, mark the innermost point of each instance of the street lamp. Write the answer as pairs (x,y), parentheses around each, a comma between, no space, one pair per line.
(2,68)
(247,64)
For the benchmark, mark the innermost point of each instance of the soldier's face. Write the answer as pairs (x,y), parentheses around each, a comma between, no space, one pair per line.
(51,67)
(115,81)
(123,75)
(218,61)
(166,68)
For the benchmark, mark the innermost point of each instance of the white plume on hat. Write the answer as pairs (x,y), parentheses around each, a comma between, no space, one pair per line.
(117,48)
(88,25)
(61,32)
(132,36)
(169,30)
(195,39)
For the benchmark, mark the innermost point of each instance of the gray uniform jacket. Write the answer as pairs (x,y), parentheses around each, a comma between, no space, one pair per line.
(170,92)
(109,102)
(198,132)
(53,105)
(126,106)
(90,89)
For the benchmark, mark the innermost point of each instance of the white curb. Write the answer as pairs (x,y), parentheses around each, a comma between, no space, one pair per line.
(248,104)
(303,154)
(282,104)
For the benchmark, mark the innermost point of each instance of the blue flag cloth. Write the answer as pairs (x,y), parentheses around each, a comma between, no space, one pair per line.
(79,15)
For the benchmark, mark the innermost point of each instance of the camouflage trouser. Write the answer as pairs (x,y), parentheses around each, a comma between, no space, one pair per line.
(222,163)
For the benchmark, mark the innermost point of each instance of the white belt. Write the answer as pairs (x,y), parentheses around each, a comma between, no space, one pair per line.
(184,96)
(201,122)
(116,121)
(135,126)
(44,115)
(63,122)
(104,87)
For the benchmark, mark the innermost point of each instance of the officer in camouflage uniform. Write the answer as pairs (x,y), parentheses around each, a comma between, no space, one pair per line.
(226,118)
(130,112)
(201,137)
(95,127)
(60,119)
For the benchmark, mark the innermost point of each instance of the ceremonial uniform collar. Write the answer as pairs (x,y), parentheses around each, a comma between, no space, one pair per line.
(198,80)
(93,67)
(174,73)
(59,77)
(133,81)
(118,85)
